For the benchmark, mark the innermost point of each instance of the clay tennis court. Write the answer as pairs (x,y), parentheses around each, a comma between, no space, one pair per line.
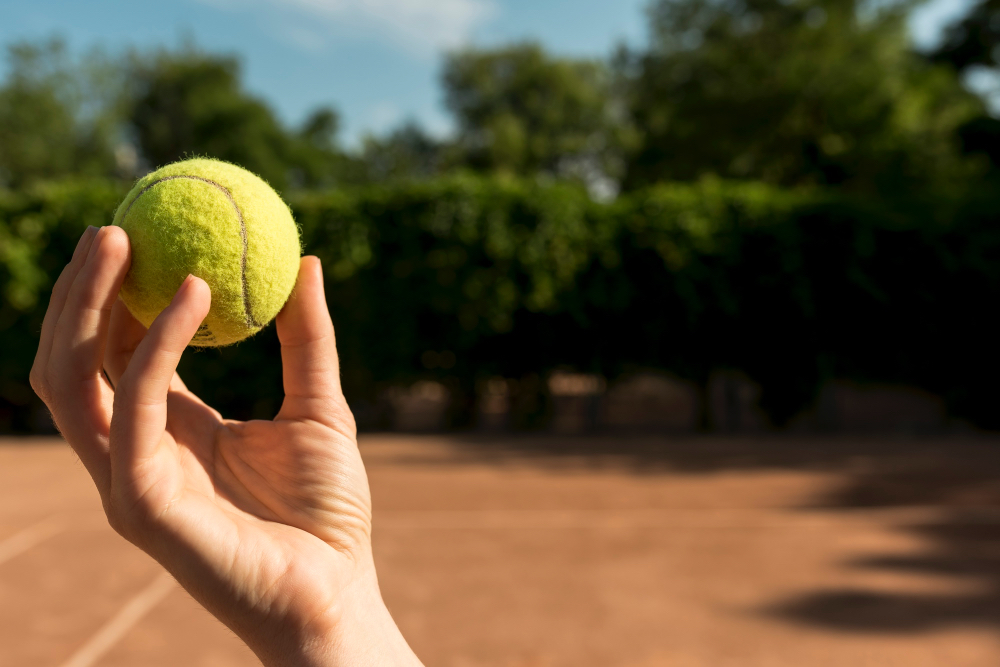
(539,551)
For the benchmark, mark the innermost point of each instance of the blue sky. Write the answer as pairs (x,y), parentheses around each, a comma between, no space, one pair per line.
(376,61)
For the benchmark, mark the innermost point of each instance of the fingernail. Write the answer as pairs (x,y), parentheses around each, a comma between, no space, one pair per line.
(98,236)
(84,238)
(186,284)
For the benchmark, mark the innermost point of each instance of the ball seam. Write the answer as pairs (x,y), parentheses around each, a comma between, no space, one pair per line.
(252,323)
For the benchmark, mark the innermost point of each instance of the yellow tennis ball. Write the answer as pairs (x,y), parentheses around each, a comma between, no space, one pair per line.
(220,223)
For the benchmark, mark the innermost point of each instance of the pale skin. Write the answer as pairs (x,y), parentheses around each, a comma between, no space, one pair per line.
(266,523)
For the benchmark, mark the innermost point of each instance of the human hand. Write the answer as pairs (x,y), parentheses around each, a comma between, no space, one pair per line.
(266,523)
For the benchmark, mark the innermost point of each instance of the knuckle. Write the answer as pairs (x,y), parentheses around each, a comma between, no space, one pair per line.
(119,522)
(343,420)
(114,519)
(49,384)
(120,517)
(123,395)
(350,424)
(38,383)
(142,516)
(132,518)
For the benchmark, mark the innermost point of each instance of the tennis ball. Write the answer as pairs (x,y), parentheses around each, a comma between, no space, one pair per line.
(220,223)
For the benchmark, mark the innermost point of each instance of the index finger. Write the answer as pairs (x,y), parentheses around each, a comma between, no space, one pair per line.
(140,407)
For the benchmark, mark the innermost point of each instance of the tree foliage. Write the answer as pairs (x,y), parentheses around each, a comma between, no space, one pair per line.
(811,92)
(189,103)
(799,203)
(54,118)
(520,110)
(516,278)
(972,40)
(406,153)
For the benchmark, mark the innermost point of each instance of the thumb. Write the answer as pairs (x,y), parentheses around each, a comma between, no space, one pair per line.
(310,366)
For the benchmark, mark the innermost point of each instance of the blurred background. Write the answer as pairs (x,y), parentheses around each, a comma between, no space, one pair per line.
(660,259)
(752,213)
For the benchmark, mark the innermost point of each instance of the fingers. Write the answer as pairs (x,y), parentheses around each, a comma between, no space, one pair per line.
(124,335)
(67,368)
(81,332)
(59,292)
(187,415)
(140,401)
(310,367)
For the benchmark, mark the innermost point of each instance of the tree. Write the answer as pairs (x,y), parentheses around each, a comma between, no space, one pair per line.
(405,153)
(972,43)
(974,39)
(520,110)
(188,103)
(54,120)
(315,158)
(794,93)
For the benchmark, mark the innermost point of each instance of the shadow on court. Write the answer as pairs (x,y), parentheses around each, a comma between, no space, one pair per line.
(957,477)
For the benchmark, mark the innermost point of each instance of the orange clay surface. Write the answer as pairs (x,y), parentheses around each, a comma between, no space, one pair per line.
(591,551)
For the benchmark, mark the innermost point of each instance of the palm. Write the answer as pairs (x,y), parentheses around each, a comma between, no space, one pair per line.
(303,483)
(300,473)
(263,492)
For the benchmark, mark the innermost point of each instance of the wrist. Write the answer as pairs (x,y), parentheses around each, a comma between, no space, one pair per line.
(354,628)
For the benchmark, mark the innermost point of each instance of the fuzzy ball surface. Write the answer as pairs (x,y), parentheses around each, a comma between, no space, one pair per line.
(220,223)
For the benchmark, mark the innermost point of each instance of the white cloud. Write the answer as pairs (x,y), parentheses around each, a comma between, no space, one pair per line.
(424,26)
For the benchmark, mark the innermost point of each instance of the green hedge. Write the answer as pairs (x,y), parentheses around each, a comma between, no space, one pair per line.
(516,278)
(38,232)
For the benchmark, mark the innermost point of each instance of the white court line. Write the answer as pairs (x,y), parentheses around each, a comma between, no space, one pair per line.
(20,542)
(122,622)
